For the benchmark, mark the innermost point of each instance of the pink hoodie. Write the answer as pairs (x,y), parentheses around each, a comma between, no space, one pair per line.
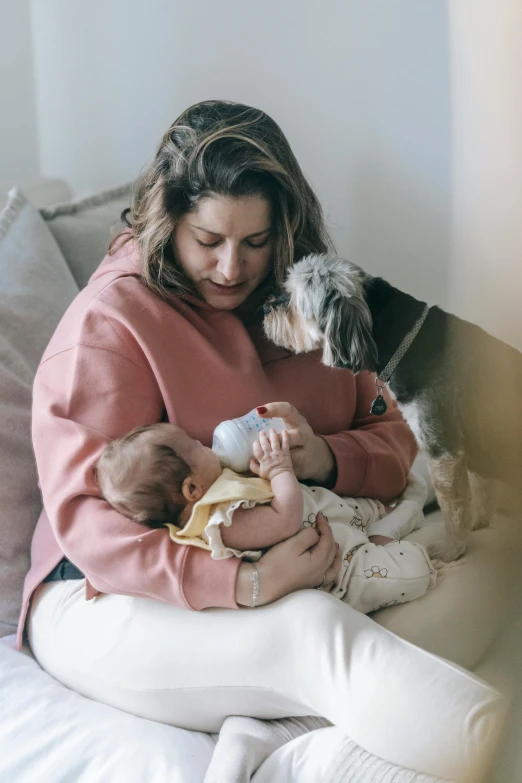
(123,357)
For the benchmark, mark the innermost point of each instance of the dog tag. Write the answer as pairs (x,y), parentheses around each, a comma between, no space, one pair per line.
(379,406)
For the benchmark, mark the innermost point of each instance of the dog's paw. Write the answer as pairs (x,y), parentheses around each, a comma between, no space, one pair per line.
(441,552)
(481,520)
(435,549)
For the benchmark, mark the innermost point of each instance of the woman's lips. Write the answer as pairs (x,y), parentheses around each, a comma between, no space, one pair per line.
(226,289)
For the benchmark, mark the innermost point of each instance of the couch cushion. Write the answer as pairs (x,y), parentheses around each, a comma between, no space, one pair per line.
(83,228)
(35,289)
(473,597)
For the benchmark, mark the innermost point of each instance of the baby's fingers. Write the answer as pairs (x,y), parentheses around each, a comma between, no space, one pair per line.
(285,442)
(258,451)
(274,440)
(266,447)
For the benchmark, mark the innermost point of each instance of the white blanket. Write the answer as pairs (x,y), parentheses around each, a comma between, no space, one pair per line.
(51,734)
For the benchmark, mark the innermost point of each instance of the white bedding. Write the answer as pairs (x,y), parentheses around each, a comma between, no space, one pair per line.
(50,734)
(53,735)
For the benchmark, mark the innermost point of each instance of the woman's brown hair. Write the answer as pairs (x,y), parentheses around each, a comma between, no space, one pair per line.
(221,148)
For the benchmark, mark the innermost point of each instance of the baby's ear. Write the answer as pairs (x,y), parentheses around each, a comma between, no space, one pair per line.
(191,490)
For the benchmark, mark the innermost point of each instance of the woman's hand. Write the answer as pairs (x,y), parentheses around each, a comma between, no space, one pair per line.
(311,558)
(311,456)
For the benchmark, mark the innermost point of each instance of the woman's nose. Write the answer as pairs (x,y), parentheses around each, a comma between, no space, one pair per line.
(229,264)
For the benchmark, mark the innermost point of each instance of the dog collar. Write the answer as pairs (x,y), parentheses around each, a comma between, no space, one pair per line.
(379,404)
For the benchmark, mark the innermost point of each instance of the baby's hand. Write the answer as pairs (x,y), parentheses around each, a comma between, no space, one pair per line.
(272,455)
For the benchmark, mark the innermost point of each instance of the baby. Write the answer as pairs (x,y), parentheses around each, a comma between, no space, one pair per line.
(159,476)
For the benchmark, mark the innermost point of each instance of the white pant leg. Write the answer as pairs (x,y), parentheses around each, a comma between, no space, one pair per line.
(305,654)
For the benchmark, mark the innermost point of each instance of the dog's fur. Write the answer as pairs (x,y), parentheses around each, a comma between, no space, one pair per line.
(459,388)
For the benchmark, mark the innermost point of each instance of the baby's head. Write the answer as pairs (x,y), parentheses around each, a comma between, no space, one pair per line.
(152,474)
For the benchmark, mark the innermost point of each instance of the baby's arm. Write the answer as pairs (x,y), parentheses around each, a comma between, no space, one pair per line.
(266,525)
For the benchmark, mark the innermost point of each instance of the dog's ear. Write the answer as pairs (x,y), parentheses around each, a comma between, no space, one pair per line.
(347,330)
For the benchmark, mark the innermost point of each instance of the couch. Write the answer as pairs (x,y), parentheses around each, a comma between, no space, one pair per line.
(50,734)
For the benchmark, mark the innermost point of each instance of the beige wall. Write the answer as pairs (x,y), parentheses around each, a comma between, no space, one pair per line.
(486,262)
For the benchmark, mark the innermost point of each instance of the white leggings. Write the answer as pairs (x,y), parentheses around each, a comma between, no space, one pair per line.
(305,654)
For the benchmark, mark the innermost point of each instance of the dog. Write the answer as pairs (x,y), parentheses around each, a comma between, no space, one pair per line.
(459,388)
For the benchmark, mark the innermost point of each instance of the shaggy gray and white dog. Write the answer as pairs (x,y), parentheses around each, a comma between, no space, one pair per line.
(459,388)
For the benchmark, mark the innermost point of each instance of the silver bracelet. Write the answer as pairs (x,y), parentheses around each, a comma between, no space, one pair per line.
(255,585)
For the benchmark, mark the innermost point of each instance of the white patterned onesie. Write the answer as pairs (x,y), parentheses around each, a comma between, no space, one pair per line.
(371,576)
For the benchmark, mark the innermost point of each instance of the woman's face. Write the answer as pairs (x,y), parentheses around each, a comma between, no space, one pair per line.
(225,247)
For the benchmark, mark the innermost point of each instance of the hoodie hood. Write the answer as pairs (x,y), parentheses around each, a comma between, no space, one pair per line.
(123,262)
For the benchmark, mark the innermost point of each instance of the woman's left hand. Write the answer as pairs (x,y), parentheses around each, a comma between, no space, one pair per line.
(312,458)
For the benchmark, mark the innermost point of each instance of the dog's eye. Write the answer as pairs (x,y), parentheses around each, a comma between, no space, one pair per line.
(281,299)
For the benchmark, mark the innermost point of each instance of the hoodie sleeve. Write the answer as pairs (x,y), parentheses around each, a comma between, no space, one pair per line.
(83,397)
(375,455)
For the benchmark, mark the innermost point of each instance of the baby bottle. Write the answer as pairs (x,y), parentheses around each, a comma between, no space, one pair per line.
(233,440)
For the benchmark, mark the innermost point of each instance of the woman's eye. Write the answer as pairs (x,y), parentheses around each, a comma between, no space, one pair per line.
(205,244)
(250,244)
(262,244)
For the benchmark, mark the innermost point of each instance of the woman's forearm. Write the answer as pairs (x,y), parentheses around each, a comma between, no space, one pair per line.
(325,466)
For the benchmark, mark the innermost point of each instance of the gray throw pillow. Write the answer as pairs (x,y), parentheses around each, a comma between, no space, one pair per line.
(36,288)
(84,228)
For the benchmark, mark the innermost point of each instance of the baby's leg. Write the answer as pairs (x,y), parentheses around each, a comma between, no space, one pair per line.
(372,577)
(350,540)
(402,520)
(406,516)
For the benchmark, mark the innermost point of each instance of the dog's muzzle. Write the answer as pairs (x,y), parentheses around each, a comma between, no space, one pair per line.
(276,301)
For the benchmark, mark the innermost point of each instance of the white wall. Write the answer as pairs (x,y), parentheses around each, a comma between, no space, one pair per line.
(360,87)
(486,260)
(18,136)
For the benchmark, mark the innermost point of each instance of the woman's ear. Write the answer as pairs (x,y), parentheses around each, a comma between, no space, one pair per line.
(191,489)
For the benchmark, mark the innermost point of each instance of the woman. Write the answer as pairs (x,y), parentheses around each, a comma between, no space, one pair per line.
(169,328)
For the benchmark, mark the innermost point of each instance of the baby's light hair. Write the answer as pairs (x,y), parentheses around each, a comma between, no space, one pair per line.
(142,478)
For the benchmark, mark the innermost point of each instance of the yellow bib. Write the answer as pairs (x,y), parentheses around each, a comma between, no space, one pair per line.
(227,488)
